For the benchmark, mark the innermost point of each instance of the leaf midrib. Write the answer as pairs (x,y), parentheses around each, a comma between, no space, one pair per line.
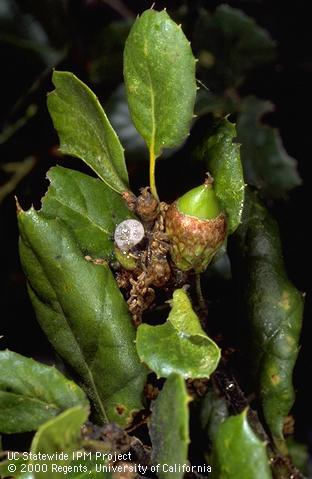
(108,164)
(96,225)
(152,96)
(33,399)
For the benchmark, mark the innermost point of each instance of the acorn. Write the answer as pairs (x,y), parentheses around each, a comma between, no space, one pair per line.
(196,227)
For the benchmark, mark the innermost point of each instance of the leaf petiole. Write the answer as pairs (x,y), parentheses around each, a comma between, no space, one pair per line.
(152,172)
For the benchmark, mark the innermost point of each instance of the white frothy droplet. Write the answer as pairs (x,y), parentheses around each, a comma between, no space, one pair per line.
(128,234)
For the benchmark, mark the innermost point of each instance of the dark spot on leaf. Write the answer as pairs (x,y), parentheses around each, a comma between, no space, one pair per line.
(120,409)
(275,379)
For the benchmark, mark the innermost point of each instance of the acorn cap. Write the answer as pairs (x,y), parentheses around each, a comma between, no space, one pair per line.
(196,228)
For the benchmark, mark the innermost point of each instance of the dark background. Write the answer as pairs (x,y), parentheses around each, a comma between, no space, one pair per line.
(73,28)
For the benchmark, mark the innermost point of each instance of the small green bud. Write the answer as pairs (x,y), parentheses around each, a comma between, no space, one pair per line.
(126,260)
(196,228)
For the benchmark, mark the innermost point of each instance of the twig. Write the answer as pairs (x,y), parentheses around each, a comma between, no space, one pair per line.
(18,170)
(201,300)
(11,129)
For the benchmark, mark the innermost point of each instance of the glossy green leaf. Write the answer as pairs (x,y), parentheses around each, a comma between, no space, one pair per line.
(169,428)
(60,434)
(159,71)
(274,310)
(180,345)
(230,44)
(90,209)
(85,131)
(31,393)
(81,310)
(266,163)
(222,157)
(238,453)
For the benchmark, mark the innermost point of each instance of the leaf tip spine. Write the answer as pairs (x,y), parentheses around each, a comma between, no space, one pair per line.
(19,209)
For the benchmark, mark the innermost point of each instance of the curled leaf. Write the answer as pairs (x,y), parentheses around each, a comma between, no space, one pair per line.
(222,158)
(274,310)
(180,345)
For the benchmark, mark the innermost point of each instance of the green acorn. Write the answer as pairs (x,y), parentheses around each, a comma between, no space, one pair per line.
(196,227)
